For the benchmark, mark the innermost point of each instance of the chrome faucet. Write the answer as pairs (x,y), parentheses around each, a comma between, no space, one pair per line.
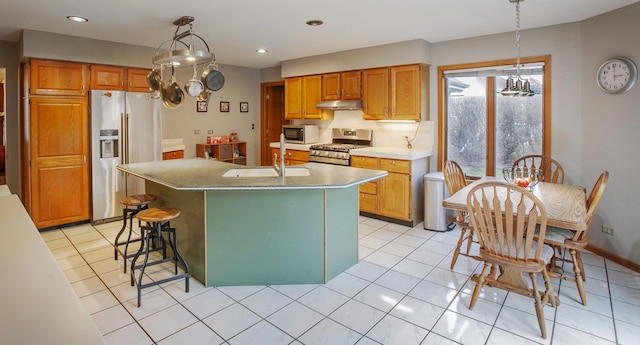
(283,149)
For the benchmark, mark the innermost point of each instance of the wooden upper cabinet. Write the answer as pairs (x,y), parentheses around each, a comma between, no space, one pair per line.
(405,92)
(342,85)
(375,93)
(331,86)
(107,77)
(137,80)
(302,94)
(395,93)
(293,98)
(55,78)
(311,95)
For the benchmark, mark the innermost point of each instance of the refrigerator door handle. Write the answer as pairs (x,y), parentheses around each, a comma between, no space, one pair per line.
(127,138)
(123,136)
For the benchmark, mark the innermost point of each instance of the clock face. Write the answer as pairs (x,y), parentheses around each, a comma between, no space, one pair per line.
(617,75)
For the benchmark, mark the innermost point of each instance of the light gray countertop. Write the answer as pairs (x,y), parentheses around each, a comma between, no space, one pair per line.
(205,175)
(38,304)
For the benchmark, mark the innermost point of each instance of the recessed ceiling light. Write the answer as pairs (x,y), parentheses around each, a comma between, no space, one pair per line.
(315,22)
(78,19)
(261,51)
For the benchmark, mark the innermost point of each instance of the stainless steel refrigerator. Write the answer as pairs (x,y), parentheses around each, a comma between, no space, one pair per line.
(125,128)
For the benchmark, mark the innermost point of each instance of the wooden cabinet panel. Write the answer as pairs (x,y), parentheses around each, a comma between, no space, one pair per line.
(395,165)
(342,85)
(291,157)
(395,196)
(55,78)
(364,162)
(351,85)
(368,203)
(302,94)
(391,194)
(375,93)
(107,77)
(293,98)
(405,92)
(311,95)
(58,153)
(331,89)
(395,93)
(173,155)
(137,80)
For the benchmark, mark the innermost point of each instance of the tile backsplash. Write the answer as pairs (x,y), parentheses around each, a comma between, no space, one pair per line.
(385,134)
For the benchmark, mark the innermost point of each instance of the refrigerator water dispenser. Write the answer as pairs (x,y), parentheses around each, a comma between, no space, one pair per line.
(108,143)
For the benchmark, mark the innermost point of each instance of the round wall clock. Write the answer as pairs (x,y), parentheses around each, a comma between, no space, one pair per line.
(617,75)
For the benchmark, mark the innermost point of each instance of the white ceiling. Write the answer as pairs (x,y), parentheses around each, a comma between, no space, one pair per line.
(236,28)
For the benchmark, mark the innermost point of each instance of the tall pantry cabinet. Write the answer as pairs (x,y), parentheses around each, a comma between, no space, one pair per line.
(55,147)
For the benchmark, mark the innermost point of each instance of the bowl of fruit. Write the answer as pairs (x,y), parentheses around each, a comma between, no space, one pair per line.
(523,177)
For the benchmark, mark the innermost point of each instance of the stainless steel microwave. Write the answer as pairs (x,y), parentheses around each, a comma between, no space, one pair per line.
(301,134)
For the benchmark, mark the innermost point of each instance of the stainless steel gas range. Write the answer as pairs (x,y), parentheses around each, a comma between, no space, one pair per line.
(343,140)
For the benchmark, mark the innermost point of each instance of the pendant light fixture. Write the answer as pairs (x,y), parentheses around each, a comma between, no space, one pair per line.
(516,85)
(180,52)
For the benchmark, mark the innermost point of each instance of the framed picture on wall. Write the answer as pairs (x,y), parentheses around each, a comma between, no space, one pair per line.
(244,107)
(224,107)
(201,106)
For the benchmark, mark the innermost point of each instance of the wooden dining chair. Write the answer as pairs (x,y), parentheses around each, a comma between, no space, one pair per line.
(575,241)
(505,218)
(551,168)
(455,180)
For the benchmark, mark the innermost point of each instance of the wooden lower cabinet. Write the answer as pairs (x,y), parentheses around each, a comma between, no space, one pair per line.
(398,196)
(173,155)
(58,177)
(291,157)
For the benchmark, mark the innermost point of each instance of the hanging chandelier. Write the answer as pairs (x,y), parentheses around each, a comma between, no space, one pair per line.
(516,85)
(181,51)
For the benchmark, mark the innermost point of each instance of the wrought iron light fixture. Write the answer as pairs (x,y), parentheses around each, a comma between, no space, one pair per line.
(516,85)
(176,56)
(181,51)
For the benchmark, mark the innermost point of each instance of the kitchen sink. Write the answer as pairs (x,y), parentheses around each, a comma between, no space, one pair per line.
(265,172)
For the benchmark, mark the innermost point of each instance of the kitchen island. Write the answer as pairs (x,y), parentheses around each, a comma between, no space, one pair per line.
(260,230)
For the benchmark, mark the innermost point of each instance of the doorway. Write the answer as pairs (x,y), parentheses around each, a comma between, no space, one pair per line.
(271,117)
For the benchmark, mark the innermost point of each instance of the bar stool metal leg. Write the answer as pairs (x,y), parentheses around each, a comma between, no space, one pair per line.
(157,224)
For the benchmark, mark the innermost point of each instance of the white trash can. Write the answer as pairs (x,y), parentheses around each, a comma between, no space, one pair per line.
(435,215)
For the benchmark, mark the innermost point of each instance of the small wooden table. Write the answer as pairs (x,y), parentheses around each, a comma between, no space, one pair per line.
(565,204)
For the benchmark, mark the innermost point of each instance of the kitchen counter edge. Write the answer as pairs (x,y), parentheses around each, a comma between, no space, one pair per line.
(198,174)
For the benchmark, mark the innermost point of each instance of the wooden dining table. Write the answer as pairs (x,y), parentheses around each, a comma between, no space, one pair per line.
(565,204)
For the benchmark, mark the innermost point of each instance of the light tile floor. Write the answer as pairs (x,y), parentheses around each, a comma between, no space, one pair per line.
(401,292)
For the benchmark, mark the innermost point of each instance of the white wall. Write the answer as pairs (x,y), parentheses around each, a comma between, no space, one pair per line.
(399,53)
(610,131)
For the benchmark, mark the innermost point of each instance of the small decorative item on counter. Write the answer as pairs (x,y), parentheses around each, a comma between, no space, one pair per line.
(234,137)
(224,139)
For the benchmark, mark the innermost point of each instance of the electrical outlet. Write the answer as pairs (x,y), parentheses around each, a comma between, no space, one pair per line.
(210,131)
(607,230)
(196,131)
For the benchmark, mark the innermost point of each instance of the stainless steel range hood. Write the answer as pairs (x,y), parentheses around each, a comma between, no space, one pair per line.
(354,104)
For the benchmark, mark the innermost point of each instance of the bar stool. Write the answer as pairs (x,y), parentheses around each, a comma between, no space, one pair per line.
(158,222)
(140,202)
